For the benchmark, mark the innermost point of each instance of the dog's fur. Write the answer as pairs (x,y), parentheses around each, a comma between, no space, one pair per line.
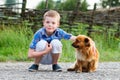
(87,55)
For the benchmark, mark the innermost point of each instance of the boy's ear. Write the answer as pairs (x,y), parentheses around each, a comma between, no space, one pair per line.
(58,24)
(42,20)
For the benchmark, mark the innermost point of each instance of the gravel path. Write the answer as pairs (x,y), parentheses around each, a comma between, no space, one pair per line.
(18,71)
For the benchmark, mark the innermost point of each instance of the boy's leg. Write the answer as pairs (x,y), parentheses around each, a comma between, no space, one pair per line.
(57,49)
(55,58)
(39,47)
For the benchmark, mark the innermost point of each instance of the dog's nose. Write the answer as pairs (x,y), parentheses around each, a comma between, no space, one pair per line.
(72,45)
(75,46)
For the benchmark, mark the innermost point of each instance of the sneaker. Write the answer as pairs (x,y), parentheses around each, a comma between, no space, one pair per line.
(33,68)
(56,68)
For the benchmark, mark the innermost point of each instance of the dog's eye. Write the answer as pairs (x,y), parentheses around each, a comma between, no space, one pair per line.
(77,40)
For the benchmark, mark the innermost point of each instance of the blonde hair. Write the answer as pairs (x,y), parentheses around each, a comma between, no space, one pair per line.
(52,13)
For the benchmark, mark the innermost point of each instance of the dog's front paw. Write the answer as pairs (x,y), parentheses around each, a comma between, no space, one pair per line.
(91,71)
(78,71)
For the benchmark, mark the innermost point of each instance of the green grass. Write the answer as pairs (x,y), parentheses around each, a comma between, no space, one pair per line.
(15,40)
(14,43)
(109,47)
(68,52)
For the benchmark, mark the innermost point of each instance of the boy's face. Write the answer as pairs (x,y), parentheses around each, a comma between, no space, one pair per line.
(50,24)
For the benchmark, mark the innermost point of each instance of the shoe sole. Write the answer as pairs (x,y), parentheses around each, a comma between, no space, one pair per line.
(31,70)
(58,70)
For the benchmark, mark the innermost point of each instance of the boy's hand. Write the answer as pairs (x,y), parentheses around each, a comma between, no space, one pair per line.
(73,38)
(48,48)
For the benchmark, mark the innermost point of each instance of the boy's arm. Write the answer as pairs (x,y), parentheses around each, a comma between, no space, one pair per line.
(72,38)
(32,53)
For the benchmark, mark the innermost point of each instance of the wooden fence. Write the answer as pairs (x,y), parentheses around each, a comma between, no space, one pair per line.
(105,17)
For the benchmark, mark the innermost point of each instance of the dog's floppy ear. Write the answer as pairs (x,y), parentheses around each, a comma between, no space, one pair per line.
(87,43)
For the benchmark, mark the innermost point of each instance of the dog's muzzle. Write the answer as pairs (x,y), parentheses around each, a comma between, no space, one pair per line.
(75,46)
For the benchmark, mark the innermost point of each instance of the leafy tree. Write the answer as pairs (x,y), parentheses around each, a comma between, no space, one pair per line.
(42,5)
(71,5)
(58,5)
(84,5)
(110,3)
(67,5)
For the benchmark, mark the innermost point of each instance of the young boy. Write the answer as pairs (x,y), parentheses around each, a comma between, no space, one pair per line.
(46,47)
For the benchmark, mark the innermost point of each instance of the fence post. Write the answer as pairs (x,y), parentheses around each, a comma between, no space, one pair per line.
(23,8)
(74,14)
(91,22)
(46,4)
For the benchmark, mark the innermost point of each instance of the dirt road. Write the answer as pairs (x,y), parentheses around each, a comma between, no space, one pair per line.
(18,71)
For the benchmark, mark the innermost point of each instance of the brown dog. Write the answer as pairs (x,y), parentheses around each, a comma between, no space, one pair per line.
(87,55)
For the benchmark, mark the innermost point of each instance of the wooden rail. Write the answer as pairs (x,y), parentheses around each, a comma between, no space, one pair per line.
(104,17)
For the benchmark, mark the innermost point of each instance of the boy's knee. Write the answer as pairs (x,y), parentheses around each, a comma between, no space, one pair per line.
(40,46)
(56,43)
(57,46)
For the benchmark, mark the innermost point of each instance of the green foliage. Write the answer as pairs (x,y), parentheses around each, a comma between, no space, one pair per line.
(42,5)
(84,6)
(110,3)
(14,41)
(68,54)
(108,47)
(67,5)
